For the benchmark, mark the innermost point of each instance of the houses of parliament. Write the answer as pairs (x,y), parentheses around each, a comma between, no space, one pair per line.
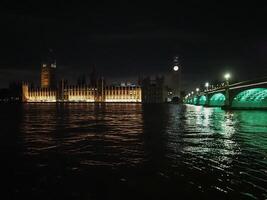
(146,91)
(96,91)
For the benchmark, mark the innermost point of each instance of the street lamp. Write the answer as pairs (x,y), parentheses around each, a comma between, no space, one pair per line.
(227,76)
(197,89)
(207,85)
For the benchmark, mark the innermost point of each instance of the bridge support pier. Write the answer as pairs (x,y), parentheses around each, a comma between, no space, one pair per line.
(207,103)
(227,104)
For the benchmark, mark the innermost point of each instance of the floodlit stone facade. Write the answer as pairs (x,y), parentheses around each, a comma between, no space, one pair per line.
(82,94)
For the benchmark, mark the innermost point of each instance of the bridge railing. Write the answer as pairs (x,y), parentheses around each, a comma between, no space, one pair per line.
(223,86)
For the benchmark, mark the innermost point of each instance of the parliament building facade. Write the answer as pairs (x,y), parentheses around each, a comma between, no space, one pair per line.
(84,93)
(96,91)
(162,89)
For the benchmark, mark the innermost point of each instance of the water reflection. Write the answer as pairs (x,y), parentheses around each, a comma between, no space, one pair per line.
(96,134)
(154,150)
(225,144)
(205,131)
(253,128)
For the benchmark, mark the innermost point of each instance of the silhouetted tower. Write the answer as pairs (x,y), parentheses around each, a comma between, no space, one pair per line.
(176,77)
(173,81)
(48,71)
(93,78)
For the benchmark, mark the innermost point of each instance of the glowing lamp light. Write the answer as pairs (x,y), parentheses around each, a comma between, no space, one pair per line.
(207,84)
(197,89)
(227,76)
(175,68)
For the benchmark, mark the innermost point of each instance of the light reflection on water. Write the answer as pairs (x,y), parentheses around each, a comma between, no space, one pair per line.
(96,134)
(197,149)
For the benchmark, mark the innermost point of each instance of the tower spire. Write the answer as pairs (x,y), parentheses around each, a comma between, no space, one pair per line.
(176,65)
(48,74)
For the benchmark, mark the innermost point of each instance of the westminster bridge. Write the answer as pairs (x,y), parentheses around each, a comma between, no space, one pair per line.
(250,94)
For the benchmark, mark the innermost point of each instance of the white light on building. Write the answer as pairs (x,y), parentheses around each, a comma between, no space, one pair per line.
(175,68)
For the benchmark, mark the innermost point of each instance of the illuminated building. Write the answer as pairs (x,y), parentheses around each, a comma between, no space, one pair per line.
(48,72)
(98,91)
(86,93)
(48,76)
(164,88)
(172,82)
(95,91)
(158,90)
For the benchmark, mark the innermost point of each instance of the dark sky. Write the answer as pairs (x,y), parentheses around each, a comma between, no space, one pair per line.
(124,40)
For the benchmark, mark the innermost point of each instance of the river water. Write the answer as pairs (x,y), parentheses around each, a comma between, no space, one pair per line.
(132,151)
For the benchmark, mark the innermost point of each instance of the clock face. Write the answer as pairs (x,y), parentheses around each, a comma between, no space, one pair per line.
(175,68)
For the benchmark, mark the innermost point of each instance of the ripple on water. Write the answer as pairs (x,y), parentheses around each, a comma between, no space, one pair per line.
(203,149)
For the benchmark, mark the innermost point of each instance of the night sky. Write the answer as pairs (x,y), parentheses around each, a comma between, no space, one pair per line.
(124,40)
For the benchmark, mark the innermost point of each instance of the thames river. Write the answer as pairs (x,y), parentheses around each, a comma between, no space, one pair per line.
(132,151)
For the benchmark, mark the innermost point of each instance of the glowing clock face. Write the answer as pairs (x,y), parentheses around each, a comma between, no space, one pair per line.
(175,68)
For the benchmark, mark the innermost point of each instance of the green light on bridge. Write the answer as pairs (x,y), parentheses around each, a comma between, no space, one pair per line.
(202,100)
(217,100)
(195,100)
(252,98)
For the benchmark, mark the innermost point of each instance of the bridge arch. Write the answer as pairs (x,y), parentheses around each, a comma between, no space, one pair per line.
(189,101)
(202,100)
(217,99)
(251,98)
(195,100)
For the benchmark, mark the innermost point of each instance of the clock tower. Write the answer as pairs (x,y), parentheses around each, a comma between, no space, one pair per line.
(173,81)
(48,71)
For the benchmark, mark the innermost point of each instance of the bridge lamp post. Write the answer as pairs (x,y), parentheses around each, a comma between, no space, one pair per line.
(197,89)
(227,76)
(188,96)
(197,94)
(207,96)
(185,99)
(207,85)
